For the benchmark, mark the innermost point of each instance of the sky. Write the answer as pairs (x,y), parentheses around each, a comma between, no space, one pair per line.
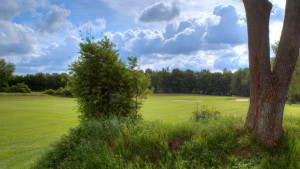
(43,35)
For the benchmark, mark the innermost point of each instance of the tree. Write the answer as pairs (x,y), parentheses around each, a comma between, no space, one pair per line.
(177,81)
(269,88)
(103,84)
(139,81)
(226,78)
(6,72)
(294,88)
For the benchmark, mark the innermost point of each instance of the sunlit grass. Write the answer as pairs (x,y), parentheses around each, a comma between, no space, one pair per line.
(28,124)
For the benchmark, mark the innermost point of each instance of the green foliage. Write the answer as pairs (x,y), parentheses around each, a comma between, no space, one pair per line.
(213,144)
(54,115)
(204,113)
(240,84)
(103,84)
(62,91)
(49,92)
(126,143)
(19,88)
(42,81)
(203,82)
(6,72)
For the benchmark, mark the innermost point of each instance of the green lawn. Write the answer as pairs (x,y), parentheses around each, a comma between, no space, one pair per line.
(28,124)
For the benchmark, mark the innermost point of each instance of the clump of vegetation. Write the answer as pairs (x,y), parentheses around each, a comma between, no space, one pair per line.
(127,143)
(62,91)
(204,113)
(103,84)
(6,74)
(18,88)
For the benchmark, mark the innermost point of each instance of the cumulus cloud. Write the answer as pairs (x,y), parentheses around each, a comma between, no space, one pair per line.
(160,12)
(236,57)
(195,41)
(217,31)
(55,21)
(9,9)
(12,8)
(56,58)
(16,39)
(228,31)
(96,27)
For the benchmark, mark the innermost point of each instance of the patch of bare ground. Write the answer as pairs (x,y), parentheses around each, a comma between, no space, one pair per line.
(240,100)
(188,100)
(176,145)
(244,152)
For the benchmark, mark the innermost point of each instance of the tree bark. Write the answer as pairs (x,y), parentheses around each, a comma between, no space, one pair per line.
(268,89)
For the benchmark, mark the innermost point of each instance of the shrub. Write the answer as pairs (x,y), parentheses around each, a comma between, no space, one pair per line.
(19,88)
(62,91)
(49,92)
(116,142)
(6,74)
(204,113)
(103,84)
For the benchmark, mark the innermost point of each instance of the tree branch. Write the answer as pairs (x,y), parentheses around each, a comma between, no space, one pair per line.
(288,48)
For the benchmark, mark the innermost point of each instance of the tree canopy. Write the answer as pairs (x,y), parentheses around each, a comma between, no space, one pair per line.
(6,73)
(103,84)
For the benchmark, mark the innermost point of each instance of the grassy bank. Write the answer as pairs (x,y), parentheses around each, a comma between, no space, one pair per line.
(124,143)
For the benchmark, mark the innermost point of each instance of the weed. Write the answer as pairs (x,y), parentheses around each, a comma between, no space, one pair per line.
(204,113)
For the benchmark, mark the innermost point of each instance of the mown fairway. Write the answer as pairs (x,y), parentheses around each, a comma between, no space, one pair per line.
(28,124)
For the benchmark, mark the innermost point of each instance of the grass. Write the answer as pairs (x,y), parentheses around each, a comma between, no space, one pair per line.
(125,143)
(28,124)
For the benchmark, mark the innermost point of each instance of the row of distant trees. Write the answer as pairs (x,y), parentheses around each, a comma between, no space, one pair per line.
(203,82)
(42,81)
(164,81)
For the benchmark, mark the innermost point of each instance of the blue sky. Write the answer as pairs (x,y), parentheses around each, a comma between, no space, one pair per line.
(43,35)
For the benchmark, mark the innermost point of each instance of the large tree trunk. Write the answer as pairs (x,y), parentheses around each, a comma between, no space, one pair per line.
(268,89)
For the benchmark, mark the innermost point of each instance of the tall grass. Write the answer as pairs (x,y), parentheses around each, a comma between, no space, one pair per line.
(126,143)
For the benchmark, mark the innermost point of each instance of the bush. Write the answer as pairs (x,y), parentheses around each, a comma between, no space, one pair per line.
(62,91)
(117,142)
(103,84)
(204,113)
(49,92)
(6,74)
(19,88)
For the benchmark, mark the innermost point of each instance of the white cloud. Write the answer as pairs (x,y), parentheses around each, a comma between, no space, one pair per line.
(193,43)
(55,58)
(55,21)
(160,12)
(280,3)
(129,7)
(201,37)
(17,40)
(275,31)
(9,9)
(95,27)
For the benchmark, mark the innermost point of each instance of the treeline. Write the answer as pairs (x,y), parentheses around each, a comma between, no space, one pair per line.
(203,82)
(42,81)
(163,81)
